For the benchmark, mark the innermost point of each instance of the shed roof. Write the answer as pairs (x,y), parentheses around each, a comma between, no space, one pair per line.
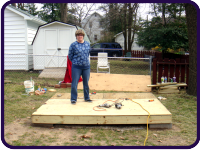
(59,22)
(25,14)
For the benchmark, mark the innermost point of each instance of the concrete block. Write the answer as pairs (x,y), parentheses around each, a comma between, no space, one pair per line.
(160,126)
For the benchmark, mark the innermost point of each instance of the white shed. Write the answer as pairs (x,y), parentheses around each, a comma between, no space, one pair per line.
(19,30)
(51,44)
(119,38)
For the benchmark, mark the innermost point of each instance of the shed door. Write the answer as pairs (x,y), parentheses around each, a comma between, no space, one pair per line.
(51,48)
(64,41)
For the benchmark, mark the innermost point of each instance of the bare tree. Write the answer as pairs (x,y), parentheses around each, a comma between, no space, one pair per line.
(124,26)
(81,10)
(129,23)
(20,6)
(64,11)
(132,28)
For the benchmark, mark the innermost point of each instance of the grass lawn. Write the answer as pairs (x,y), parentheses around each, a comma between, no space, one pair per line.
(18,109)
(136,67)
(20,132)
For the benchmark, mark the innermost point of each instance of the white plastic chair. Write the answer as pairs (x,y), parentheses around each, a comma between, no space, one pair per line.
(103,62)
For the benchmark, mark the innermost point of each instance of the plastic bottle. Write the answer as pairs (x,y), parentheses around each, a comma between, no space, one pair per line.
(174,79)
(171,80)
(162,79)
(165,79)
(39,88)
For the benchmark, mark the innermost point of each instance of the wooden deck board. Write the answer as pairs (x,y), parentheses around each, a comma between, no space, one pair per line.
(61,111)
(118,82)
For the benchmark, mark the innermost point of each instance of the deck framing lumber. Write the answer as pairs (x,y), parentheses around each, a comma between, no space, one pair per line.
(61,111)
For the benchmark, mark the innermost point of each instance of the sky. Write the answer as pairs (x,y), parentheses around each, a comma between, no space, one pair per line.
(143,10)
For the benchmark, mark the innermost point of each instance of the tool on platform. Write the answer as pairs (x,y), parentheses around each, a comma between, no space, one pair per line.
(118,105)
(105,105)
(151,100)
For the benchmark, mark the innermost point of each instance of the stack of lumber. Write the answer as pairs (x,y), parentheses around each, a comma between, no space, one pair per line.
(63,85)
(169,87)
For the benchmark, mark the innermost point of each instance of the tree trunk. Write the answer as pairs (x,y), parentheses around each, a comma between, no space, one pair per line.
(163,13)
(125,28)
(134,26)
(191,16)
(21,6)
(111,16)
(14,4)
(154,9)
(130,21)
(63,10)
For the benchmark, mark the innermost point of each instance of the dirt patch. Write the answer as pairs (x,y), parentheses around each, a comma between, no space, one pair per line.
(169,141)
(174,128)
(23,132)
(23,128)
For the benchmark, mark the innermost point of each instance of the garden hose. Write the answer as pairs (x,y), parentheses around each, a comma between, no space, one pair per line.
(147,120)
(102,109)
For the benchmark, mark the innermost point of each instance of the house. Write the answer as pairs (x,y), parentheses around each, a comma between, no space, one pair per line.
(19,30)
(51,44)
(119,38)
(93,27)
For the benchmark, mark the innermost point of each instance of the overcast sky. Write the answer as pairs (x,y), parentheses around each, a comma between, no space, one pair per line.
(143,10)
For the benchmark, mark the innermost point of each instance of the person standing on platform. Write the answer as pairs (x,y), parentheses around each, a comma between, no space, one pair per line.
(79,56)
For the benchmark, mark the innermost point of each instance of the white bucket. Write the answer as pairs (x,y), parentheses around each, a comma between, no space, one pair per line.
(29,86)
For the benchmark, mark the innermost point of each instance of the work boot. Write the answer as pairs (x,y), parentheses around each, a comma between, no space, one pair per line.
(89,100)
(73,102)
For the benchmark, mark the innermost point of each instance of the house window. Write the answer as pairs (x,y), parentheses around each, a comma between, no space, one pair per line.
(95,37)
(100,24)
(90,24)
(95,14)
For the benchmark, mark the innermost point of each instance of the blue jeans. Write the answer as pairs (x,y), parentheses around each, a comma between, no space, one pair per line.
(76,73)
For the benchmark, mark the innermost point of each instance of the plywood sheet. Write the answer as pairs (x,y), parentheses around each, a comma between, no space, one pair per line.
(59,110)
(118,82)
(82,108)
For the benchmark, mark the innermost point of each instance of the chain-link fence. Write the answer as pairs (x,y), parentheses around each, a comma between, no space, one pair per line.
(48,70)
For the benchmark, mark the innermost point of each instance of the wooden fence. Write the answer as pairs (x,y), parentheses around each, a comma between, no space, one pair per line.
(140,54)
(158,55)
(170,67)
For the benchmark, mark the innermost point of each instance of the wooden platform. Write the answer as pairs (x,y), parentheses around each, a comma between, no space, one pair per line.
(58,73)
(118,82)
(105,81)
(59,110)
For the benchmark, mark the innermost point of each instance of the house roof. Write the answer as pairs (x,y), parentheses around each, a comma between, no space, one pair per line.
(88,18)
(25,14)
(59,22)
